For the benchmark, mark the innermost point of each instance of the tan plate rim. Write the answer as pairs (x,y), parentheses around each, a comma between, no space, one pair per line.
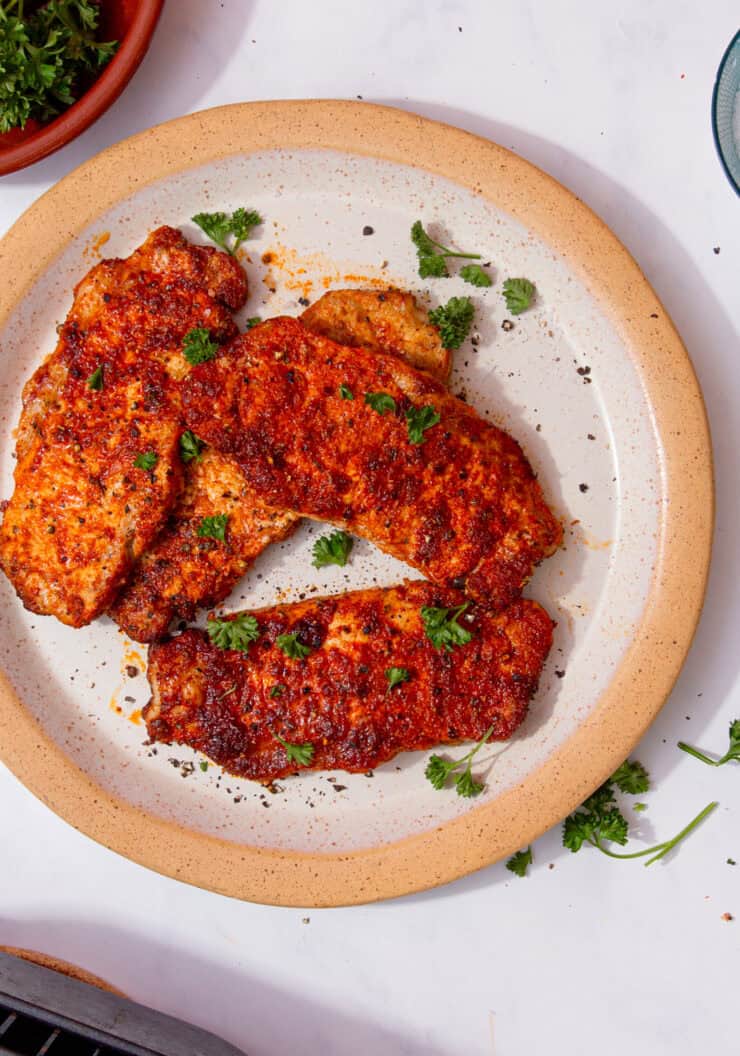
(651,665)
(45,960)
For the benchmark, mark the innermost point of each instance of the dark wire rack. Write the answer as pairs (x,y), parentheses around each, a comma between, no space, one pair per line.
(43,1013)
(28,1032)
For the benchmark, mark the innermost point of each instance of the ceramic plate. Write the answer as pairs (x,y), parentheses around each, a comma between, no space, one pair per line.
(593,381)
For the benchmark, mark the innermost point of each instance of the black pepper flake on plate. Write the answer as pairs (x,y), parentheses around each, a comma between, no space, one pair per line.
(507,325)
(367,230)
(304,301)
(716,251)
(132,670)
(583,488)
(590,436)
(560,674)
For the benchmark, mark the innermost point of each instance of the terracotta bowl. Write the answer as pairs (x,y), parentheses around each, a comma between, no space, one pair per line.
(131,22)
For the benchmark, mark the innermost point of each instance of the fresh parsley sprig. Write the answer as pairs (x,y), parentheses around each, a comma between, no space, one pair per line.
(191,447)
(96,381)
(519,862)
(438,770)
(599,820)
(453,320)
(332,549)
(432,255)
(147,460)
(418,420)
(631,777)
(380,402)
(475,275)
(220,227)
(236,633)
(292,648)
(441,626)
(346,392)
(198,346)
(301,754)
(518,294)
(731,755)
(214,527)
(395,676)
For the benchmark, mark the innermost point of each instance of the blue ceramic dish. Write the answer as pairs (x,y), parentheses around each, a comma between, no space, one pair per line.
(726,112)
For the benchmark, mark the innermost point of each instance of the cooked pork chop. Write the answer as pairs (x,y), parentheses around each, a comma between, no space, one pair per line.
(181,572)
(82,511)
(457,500)
(387,321)
(233,706)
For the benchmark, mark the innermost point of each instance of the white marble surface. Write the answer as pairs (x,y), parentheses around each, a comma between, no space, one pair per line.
(590,955)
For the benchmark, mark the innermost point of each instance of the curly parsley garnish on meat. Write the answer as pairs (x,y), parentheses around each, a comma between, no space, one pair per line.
(236,633)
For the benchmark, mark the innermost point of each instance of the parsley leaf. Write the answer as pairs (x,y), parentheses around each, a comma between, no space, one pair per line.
(332,549)
(599,820)
(95,381)
(236,633)
(432,255)
(425,246)
(254,320)
(198,347)
(292,648)
(396,675)
(475,275)
(46,56)
(214,527)
(519,862)
(631,777)
(220,226)
(191,447)
(302,754)
(147,460)
(433,267)
(277,690)
(203,765)
(518,294)
(438,770)
(419,419)
(345,392)
(442,628)
(242,222)
(732,753)
(453,320)
(380,402)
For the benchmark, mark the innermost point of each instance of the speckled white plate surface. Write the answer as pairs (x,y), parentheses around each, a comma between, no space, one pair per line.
(562,381)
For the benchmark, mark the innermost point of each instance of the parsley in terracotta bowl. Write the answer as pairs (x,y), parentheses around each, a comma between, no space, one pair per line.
(62,64)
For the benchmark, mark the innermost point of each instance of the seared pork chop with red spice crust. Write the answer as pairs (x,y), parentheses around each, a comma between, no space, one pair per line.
(83,510)
(401,463)
(239,708)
